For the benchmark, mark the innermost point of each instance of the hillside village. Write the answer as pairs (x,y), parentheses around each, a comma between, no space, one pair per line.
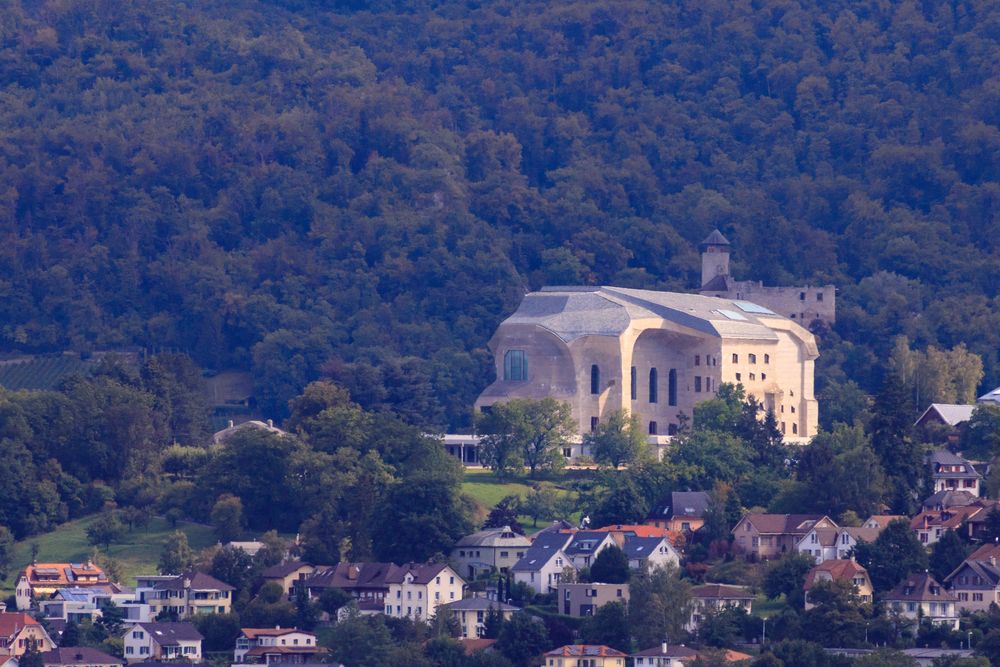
(692,510)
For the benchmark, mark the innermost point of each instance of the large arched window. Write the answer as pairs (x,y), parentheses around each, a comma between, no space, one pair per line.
(515,366)
(672,387)
(634,388)
(653,386)
(595,379)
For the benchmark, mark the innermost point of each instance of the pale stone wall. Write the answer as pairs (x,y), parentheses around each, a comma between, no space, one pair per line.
(802,304)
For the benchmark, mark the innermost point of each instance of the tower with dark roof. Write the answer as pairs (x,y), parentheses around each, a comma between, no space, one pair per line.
(714,259)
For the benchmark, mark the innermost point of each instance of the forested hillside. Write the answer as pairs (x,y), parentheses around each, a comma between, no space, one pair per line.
(363,190)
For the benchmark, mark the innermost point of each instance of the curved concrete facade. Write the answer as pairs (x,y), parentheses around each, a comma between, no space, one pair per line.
(657,354)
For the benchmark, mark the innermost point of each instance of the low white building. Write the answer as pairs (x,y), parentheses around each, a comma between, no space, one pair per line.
(492,549)
(543,564)
(920,596)
(162,642)
(275,646)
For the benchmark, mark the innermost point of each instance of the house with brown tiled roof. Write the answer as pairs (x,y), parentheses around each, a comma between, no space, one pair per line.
(416,590)
(849,536)
(930,526)
(920,596)
(762,536)
(19,632)
(591,655)
(365,582)
(288,575)
(162,642)
(38,581)
(665,655)
(276,646)
(840,570)
(976,581)
(711,598)
(880,521)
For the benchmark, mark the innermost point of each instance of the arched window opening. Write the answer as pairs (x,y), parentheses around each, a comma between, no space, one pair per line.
(595,379)
(672,387)
(653,397)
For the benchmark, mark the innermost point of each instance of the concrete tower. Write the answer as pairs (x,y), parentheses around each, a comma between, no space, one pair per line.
(714,257)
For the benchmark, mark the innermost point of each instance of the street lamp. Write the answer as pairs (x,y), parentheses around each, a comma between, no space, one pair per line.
(866,631)
(969,642)
(763,631)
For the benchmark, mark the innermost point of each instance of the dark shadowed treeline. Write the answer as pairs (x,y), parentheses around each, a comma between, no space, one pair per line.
(363,190)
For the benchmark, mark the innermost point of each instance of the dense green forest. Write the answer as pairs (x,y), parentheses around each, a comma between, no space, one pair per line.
(363,190)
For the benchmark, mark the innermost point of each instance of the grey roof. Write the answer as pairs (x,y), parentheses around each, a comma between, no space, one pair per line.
(489,536)
(920,587)
(477,604)
(283,569)
(585,541)
(574,312)
(691,504)
(942,457)
(196,581)
(990,397)
(167,634)
(641,547)
(79,655)
(950,414)
(989,572)
(546,544)
(715,238)
(948,498)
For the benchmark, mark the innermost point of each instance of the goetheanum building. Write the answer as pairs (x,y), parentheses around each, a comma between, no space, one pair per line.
(657,354)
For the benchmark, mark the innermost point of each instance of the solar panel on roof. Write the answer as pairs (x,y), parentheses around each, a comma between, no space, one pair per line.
(733,315)
(748,307)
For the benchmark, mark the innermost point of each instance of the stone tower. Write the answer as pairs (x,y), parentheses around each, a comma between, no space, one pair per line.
(714,257)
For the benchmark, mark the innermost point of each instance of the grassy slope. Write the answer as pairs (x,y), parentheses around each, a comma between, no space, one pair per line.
(138,551)
(483,487)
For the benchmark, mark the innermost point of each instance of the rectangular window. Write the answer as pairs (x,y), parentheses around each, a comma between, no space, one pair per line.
(697,360)
(652,428)
(739,377)
(767,358)
(515,366)
(819,296)
(753,376)
(593,424)
(736,358)
(752,358)
(634,388)
(697,383)
(802,296)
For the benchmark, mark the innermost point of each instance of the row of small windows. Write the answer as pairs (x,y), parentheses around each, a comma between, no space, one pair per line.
(654,429)
(752,358)
(654,386)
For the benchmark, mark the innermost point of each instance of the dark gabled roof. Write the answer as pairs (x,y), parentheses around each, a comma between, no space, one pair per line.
(948,498)
(167,633)
(477,604)
(921,587)
(721,592)
(489,536)
(688,504)
(79,655)
(778,524)
(351,575)
(282,570)
(422,572)
(940,457)
(197,581)
(581,540)
(990,572)
(642,547)
(715,238)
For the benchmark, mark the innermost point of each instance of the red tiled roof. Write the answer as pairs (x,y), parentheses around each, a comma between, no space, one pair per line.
(12,622)
(64,575)
(839,570)
(950,518)
(586,650)
(471,646)
(777,524)
(721,592)
(79,655)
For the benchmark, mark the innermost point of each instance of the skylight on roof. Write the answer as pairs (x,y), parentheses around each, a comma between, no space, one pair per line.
(733,315)
(748,307)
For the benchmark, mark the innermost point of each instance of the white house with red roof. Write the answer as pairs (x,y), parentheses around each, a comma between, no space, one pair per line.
(272,646)
(38,581)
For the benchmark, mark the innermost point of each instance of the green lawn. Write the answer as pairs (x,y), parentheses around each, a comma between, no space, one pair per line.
(483,487)
(138,551)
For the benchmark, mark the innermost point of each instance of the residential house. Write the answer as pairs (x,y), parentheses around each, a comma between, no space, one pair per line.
(951,471)
(184,595)
(489,550)
(365,582)
(80,656)
(471,614)
(40,580)
(79,604)
(976,524)
(880,521)
(849,536)
(680,512)
(763,536)
(416,590)
(288,575)
(976,583)
(990,398)
(665,655)
(543,564)
(709,598)
(943,421)
(930,526)
(19,633)
(820,543)
(840,570)
(585,545)
(577,655)
(648,552)
(585,599)
(276,646)
(920,596)
(946,499)
(162,641)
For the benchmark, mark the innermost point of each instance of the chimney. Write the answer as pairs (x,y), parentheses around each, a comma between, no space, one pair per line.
(663,647)
(352,572)
(270,423)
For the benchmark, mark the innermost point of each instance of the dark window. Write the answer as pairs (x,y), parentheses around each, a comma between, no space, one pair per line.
(595,379)
(802,296)
(753,358)
(593,424)
(633,383)
(795,427)
(697,360)
(819,296)
(738,377)
(652,428)
(672,387)
(736,358)
(767,358)
(697,383)
(671,429)
(486,409)
(515,366)
(652,385)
